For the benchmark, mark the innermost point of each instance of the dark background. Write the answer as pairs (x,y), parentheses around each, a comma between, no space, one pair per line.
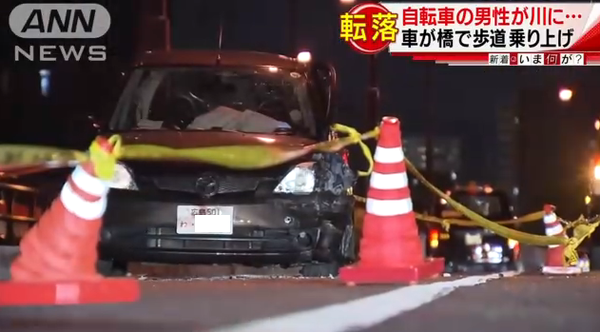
(465,102)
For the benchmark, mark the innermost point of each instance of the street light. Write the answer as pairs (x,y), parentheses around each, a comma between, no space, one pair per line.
(565,95)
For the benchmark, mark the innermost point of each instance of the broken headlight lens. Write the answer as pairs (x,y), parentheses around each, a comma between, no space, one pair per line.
(123,178)
(300,180)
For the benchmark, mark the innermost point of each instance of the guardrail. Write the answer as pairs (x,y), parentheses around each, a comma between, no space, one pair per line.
(20,208)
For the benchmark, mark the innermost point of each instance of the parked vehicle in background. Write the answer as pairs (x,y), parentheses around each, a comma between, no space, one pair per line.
(472,247)
(424,201)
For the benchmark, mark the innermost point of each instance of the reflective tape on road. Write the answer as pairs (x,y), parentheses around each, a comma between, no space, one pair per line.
(362,313)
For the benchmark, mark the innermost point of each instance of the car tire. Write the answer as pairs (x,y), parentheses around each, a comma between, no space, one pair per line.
(345,253)
(110,268)
(348,250)
(320,270)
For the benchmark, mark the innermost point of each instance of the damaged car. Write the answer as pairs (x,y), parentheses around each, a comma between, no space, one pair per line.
(298,213)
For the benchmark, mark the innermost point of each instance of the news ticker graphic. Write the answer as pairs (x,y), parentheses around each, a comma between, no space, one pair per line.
(543,59)
(560,34)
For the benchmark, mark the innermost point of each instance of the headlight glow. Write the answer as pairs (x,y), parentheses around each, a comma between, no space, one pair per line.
(300,180)
(123,178)
(597,172)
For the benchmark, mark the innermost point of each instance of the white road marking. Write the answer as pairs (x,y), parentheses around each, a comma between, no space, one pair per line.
(362,313)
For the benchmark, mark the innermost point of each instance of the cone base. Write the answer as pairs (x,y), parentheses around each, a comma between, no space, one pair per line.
(113,290)
(358,274)
(562,270)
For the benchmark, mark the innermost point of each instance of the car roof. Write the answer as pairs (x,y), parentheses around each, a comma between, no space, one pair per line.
(209,58)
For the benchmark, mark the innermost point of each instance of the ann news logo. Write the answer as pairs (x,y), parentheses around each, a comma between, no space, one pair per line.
(59,21)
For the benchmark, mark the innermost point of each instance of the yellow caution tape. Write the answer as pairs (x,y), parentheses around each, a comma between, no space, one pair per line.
(253,156)
(105,161)
(354,137)
(582,228)
(531,217)
(15,157)
(570,244)
(246,157)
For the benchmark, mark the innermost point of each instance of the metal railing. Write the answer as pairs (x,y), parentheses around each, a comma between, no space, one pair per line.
(20,208)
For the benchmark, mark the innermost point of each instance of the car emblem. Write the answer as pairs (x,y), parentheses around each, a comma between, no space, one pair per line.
(207,186)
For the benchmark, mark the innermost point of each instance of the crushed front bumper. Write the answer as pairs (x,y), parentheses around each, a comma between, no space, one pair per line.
(280,230)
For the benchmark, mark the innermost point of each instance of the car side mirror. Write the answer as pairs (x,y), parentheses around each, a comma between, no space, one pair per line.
(326,77)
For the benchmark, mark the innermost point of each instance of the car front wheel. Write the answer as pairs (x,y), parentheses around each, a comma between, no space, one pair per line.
(339,253)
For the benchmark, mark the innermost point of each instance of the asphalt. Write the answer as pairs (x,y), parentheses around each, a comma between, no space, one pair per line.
(520,303)
(228,298)
(189,305)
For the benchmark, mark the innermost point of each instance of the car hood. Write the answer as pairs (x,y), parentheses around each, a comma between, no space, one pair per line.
(196,139)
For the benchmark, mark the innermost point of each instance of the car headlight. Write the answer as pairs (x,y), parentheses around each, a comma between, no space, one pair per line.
(123,179)
(300,180)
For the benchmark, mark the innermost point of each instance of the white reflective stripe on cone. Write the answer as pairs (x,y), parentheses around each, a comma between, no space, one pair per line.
(79,206)
(550,219)
(389,207)
(556,230)
(388,155)
(388,181)
(553,245)
(89,183)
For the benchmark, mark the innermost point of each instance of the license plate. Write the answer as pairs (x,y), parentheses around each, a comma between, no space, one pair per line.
(473,239)
(192,219)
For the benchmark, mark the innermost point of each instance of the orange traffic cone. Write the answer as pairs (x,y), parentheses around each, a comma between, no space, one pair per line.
(390,248)
(57,262)
(555,257)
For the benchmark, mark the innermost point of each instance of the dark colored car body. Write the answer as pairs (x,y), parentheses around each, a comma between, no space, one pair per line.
(465,248)
(268,225)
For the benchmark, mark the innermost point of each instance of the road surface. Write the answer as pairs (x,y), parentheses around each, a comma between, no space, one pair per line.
(467,303)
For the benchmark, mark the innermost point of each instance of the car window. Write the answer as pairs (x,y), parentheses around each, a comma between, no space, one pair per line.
(264,100)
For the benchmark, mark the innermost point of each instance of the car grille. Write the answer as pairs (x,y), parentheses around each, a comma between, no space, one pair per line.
(226,184)
(242,240)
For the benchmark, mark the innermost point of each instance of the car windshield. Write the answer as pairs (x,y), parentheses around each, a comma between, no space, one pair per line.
(488,205)
(260,100)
